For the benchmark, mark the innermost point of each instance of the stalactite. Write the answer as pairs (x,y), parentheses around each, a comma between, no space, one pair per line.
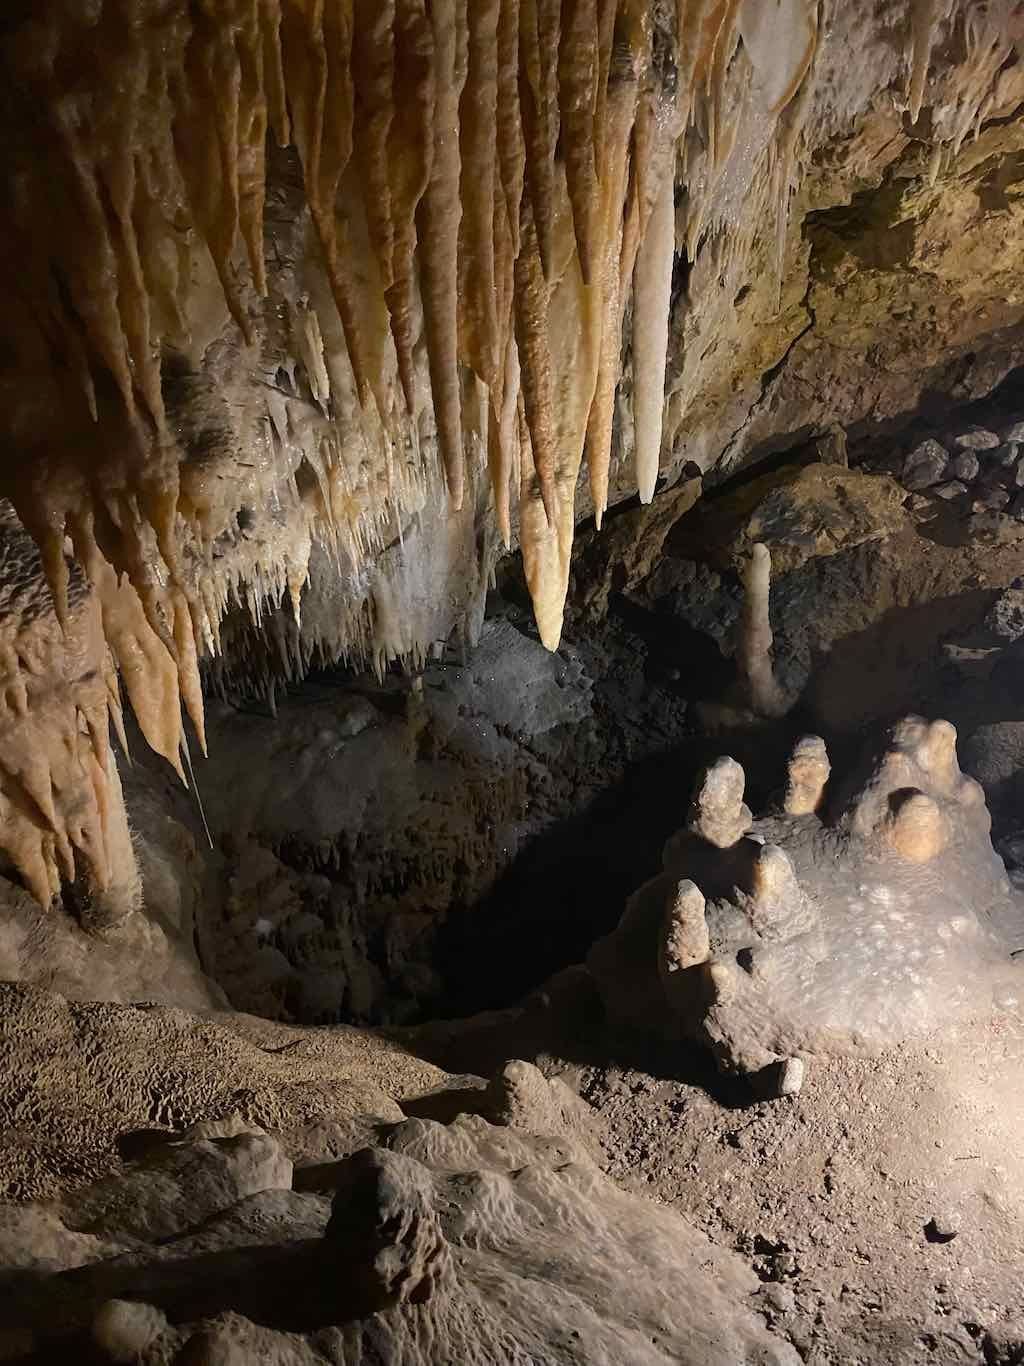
(410,152)
(531,324)
(652,298)
(511,148)
(539,27)
(924,15)
(504,168)
(478,321)
(578,75)
(439,216)
(620,110)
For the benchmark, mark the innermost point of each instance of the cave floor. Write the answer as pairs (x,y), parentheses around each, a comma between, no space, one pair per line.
(882,1207)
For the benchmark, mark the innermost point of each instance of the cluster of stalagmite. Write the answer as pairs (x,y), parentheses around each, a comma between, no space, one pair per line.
(847,917)
(493,187)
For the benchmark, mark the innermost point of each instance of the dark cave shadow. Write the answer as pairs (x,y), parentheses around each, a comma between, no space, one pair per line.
(569,885)
(894,668)
(934,408)
(674,646)
(290,1287)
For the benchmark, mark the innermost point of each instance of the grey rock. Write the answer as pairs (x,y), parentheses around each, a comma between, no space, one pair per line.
(1005,617)
(992,500)
(1014,433)
(1011,850)
(925,465)
(944,1224)
(965,466)
(952,490)
(917,502)
(977,439)
(791,1077)
(1005,455)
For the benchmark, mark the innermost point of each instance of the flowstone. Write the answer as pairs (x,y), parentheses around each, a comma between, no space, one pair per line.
(464,1243)
(849,917)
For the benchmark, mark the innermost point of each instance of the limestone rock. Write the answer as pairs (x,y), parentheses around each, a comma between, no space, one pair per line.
(965,467)
(124,1330)
(520,1096)
(801,513)
(978,439)
(178,1187)
(82,1077)
(462,1243)
(35,1238)
(926,465)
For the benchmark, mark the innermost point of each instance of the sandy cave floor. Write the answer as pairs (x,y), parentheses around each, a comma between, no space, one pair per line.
(843,1197)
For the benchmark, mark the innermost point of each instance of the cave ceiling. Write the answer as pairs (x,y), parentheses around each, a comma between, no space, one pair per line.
(313,307)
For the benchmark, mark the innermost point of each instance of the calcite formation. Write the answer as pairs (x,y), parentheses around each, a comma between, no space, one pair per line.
(344,272)
(464,1242)
(854,914)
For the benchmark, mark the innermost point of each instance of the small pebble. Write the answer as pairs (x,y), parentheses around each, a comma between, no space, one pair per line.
(943,1226)
(978,439)
(952,490)
(965,466)
(1015,433)
(992,501)
(779,1297)
(791,1076)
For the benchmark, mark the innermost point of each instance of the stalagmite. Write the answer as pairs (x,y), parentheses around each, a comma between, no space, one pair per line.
(806,776)
(684,935)
(718,813)
(754,642)
(652,300)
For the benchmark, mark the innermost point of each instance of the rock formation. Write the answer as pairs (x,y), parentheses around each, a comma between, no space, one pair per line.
(349,1230)
(333,335)
(853,915)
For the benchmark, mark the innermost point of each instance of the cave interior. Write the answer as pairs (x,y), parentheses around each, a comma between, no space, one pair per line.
(512,700)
